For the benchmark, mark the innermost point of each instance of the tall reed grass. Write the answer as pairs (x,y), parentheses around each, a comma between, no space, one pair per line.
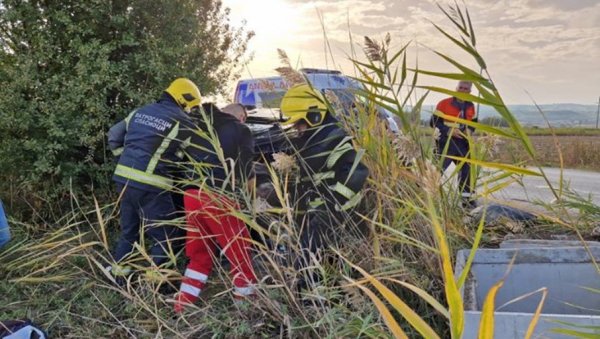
(391,275)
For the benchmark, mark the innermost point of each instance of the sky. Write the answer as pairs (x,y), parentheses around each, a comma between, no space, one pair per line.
(547,51)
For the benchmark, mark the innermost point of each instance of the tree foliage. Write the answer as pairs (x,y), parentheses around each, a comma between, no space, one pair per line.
(70,69)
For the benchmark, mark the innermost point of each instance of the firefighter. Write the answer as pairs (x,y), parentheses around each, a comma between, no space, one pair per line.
(221,158)
(150,137)
(331,174)
(453,138)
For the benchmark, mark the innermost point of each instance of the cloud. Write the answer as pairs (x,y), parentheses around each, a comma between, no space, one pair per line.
(563,5)
(358,15)
(540,43)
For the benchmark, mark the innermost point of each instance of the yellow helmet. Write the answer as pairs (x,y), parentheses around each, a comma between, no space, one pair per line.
(303,102)
(185,93)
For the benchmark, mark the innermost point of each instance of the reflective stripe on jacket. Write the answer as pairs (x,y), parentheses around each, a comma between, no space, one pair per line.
(330,163)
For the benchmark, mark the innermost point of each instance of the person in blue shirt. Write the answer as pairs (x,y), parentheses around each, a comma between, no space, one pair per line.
(4,230)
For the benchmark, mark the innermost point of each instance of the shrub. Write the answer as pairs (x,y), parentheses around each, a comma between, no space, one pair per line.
(70,69)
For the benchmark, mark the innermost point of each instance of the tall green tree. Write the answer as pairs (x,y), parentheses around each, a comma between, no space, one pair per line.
(71,68)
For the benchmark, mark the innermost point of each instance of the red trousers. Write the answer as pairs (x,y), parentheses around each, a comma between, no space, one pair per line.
(211,223)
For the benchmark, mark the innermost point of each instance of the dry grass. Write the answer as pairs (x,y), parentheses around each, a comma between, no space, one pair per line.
(291,76)
(374,50)
(578,151)
(403,262)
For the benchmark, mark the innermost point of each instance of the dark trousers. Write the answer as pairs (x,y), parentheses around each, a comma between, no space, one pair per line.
(315,236)
(457,148)
(319,229)
(151,210)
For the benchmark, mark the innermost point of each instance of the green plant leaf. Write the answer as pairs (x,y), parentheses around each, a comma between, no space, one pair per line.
(478,235)
(460,95)
(465,69)
(387,316)
(425,296)
(505,167)
(454,76)
(465,47)
(410,315)
(452,292)
(478,126)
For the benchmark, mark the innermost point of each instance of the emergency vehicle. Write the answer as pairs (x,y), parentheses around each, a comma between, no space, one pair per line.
(262,97)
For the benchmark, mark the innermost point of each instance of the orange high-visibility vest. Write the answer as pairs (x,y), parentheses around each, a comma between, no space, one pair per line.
(451,106)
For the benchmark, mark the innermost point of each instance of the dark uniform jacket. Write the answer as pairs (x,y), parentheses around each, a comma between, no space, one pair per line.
(151,137)
(224,165)
(330,166)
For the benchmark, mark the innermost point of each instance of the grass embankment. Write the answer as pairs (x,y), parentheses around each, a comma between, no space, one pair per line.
(580,148)
(562,131)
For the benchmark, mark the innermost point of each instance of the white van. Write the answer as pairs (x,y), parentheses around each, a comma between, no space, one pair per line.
(262,96)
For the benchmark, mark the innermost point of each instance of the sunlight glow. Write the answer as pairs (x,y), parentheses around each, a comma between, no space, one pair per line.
(275,22)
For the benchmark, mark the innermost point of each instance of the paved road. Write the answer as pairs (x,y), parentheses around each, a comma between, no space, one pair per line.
(584,183)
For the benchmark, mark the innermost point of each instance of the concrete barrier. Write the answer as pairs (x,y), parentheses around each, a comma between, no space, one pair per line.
(568,273)
(529,243)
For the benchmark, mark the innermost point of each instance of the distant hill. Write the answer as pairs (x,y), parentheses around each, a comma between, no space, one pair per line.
(558,115)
